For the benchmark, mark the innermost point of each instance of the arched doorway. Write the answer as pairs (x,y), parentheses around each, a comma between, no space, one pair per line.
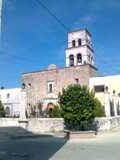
(50,107)
(71,60)
(79,58)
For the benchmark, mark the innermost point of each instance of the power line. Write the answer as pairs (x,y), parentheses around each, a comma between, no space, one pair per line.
(19,58)
(53,15)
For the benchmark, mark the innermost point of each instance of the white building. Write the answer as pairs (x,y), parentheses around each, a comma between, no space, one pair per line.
(12,99)
(107,90)
(80,49)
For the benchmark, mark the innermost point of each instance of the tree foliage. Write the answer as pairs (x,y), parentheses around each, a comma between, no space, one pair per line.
(55,112)
(2,112)
(99,109)
(78,106)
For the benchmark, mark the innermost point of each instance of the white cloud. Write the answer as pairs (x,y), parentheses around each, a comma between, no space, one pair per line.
(88,19)
(85,20)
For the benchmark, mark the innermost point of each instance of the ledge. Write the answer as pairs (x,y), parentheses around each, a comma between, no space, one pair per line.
(23,121)
(80,134)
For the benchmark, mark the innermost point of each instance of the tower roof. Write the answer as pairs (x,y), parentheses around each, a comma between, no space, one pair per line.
(83,29)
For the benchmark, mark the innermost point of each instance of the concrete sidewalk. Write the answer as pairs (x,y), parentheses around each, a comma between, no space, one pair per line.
(105,146)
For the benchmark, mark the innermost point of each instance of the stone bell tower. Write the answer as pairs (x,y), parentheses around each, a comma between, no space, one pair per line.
(80,50)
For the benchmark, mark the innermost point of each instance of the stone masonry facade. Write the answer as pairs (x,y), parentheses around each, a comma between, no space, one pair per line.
(42,87)
(36,83)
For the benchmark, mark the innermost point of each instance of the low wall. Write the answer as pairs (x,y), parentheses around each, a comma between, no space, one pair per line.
(9,122)
(35,125)
(107,123)
(45,125)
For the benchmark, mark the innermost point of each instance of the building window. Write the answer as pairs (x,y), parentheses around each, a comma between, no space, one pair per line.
(8,95)
(71,60)
(99,88)
(79,58)
(79,42)
(73,43)
(50,87)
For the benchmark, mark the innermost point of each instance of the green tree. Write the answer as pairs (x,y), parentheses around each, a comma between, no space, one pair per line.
(99,109)
(2,112)
(78,107)
(55,112)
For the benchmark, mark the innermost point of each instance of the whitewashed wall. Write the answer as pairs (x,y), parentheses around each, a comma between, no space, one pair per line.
(13,101)
(107,123)
(34,125)
(9,122)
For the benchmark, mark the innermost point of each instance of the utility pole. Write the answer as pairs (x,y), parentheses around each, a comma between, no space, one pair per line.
(1,9)
(1,1)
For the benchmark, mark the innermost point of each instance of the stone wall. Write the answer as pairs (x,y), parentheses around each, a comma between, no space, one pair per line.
(34,125)
(42,125)
(9,122)
(48,125)
(107,123)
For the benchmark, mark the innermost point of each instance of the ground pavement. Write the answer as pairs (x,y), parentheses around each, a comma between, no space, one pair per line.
(104,147)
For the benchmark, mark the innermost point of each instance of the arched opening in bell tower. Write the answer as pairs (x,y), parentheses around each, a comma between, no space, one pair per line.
(73,43)
(79,58)
(71,60)
(79,42)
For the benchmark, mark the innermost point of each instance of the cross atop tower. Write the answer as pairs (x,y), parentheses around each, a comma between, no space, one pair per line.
(80,50)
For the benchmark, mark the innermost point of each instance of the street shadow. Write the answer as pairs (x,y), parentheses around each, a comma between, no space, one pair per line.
(16,143)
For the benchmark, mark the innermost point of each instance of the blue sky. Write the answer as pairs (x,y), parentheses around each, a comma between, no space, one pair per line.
(35,39)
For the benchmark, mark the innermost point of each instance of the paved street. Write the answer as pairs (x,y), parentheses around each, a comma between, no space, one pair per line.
(106,147)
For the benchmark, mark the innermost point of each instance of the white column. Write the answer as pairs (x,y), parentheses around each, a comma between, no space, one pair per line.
(23,105)
(119,103)
(115,105)
(75,60)
(107,104)
(67,61)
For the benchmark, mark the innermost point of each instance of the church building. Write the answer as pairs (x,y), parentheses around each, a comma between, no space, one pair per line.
(42,87)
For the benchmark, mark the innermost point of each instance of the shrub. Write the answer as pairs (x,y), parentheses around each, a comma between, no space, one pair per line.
(55,112)
(99,109)
(2,112)
(77,105)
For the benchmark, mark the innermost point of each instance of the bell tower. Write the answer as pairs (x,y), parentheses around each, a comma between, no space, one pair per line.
(80,50)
